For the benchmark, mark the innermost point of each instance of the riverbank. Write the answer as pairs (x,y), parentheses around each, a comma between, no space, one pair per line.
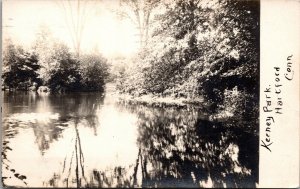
(152,99)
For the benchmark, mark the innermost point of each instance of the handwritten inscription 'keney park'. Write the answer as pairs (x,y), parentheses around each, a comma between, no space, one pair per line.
(273,103)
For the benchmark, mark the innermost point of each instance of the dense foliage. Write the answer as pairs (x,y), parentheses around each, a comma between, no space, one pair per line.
(94,69)
(19,68)
(195,49)
(207,48)
(53,65)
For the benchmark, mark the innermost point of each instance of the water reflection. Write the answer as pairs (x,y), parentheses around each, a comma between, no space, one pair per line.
(182,148)
(91,140)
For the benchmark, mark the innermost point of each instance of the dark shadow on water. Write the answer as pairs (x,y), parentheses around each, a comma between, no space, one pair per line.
(8,132)
(186,150)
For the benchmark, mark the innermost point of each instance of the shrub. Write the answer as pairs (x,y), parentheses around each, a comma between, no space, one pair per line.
(66,76)
(94,72)
(19,68)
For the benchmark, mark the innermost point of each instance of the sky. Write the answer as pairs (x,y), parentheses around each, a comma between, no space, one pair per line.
(102,31)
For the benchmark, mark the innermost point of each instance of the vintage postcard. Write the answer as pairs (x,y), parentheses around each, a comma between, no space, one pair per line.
(150,93)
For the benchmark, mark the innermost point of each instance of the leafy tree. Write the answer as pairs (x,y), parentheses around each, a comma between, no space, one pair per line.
(19,67)
(43,47)
(94,69)
(65,75)
(202,48)
(234,63)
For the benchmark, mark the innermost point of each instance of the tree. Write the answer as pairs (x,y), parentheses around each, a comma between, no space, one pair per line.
(202,48)
(234,65)
(94,69)
(75,17)
(9,53)
(140,13)
(64,75)
(19,67)
(43,47)
(172,46)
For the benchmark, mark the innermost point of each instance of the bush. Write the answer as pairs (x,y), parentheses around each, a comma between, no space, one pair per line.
(54,67)
(234,101)
(94,72)
(65,77)
(19,68)
(86,73)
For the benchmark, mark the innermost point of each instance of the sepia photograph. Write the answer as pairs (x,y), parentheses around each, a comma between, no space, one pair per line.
(131,93)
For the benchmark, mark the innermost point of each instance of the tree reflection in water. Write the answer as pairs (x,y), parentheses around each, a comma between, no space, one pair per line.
(81,111)
(179,147)
(182,149)
(175,146)
(48,126)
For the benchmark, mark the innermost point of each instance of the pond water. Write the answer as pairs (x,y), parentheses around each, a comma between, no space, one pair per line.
(95,140)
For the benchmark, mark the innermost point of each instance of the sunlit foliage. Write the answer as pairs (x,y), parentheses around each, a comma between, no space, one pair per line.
(200,48)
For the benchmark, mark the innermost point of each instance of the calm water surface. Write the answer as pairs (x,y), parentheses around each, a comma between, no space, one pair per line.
(89,139)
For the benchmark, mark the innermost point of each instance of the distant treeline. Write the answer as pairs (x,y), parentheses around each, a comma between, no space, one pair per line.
(51,67)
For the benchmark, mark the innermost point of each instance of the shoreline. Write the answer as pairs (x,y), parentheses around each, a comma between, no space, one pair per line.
(110,89)
(156,100)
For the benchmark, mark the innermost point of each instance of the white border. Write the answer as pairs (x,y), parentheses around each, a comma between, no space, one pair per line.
(279,38)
